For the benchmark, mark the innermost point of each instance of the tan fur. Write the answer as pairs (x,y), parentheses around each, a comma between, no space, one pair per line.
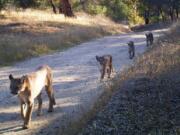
(105,62)
(29,87)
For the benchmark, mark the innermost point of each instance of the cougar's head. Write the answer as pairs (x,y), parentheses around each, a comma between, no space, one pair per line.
(100,59)
(17,84)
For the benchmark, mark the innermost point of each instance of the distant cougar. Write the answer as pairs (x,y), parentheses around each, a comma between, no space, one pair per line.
(29,87)
(149,38)
(105,62)
(131,49)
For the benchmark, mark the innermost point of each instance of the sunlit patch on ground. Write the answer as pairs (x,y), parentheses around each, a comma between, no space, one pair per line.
(76,82)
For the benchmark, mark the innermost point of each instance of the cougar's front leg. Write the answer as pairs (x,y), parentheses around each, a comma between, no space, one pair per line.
(129,54)
(28,115)
(132,53)
(151,42)
(23,110)
(148,43)
(103,72)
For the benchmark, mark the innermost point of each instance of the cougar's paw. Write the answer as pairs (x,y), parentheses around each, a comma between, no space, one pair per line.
(26,126)
(39,113)
(50,110)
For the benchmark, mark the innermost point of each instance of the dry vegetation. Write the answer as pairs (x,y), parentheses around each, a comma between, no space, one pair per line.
(147,97)
(31,33)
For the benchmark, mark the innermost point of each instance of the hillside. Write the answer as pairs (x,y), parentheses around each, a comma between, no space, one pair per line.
(142,96)
(147,95)
(76,84)
(30,32)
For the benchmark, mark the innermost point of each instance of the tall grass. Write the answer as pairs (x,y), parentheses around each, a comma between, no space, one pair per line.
(153,101)
(32,33)
(156,75)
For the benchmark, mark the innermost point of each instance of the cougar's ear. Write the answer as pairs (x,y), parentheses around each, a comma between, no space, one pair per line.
(97,57)
(11,77)
(23,78)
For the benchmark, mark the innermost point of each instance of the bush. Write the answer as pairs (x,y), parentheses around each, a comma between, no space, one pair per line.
(121,10)
(25,3)
(2,4)
(135,19)
(117,10)
(96,9)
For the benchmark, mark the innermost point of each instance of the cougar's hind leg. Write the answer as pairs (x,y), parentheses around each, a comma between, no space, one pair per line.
(130,55)
(49,90)
(147,43)
(109,72)
(133,53)
(151,42)
(51,98)
(39,105)
(110,66)
(52,95)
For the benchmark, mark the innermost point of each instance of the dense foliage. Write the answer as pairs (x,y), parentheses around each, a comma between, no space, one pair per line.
(135,11)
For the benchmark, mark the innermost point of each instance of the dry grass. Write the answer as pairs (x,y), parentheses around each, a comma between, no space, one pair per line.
(163,57)
(31,33)
(74,127)
(159,62)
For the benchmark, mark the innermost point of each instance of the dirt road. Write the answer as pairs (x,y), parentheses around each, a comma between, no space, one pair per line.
(76,82)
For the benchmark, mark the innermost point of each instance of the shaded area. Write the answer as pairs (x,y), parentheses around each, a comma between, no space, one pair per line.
(11,129)
(76,82)
(148,96)
(18,43)
(150,27)
(142,106)
(117,43)
(30,34)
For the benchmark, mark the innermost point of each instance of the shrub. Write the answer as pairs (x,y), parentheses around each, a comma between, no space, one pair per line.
(96,9)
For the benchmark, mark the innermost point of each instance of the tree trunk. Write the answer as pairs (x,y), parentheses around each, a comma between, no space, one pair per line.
(53,6)
(83,2)
(60,8)
(161,13)
(171,14)
(66,8)
(26,3)
(177,13)
(146,17)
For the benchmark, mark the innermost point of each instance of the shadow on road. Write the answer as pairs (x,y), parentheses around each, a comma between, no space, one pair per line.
(16,128)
